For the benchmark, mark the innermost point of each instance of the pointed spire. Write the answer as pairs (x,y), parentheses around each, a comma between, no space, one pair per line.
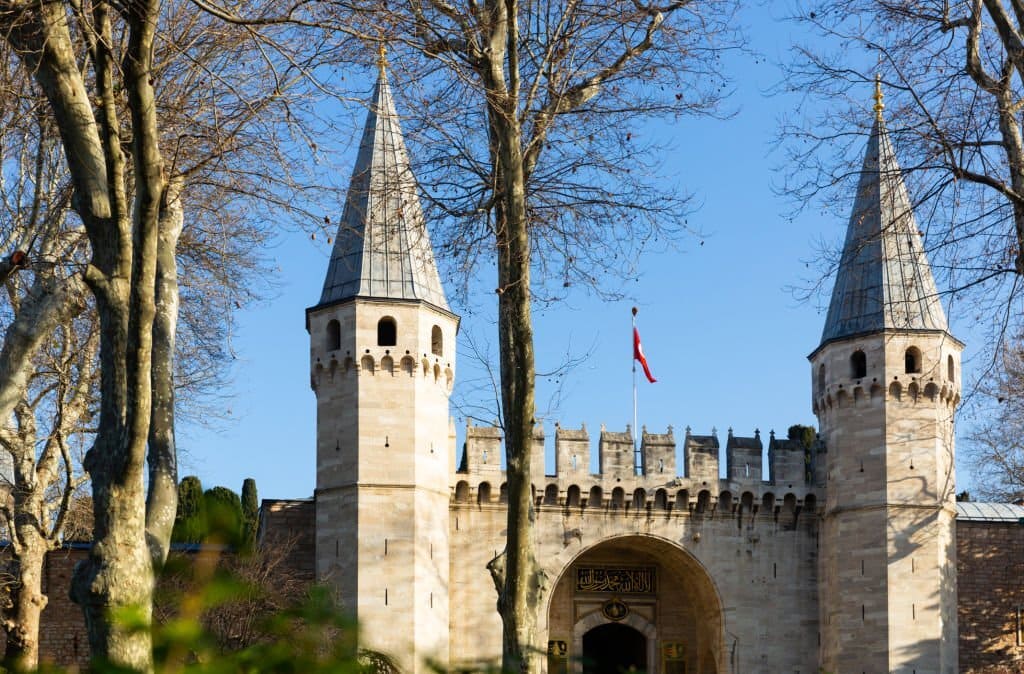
(382,248)
(884,281)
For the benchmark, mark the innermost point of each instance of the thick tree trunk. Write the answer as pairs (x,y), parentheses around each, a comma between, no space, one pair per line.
(22,627)
(519,600)
(519,597)
(114,585)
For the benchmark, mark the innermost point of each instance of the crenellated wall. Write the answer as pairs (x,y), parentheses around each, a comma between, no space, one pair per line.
(657,483)
(718,546)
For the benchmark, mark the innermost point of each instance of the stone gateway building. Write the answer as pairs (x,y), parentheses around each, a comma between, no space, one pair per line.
(844,560)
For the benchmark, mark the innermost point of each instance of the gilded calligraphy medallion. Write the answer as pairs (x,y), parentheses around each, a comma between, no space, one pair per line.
(615,609)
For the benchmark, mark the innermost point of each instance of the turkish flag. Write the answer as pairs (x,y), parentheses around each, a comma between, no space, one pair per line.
(638,354)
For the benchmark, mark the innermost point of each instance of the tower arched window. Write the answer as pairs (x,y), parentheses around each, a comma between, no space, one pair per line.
(858,365)
(387,332)
(821,377)
(950,368)
(436,341)
(912,360)
(333,335)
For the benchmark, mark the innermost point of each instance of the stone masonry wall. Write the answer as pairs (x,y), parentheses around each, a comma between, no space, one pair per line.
(291,522)
(990,580)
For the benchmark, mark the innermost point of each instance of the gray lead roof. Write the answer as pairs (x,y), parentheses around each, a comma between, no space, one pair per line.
(382,249)
(989,512)
(884,281)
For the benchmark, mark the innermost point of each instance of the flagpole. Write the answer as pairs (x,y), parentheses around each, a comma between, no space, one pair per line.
(635,449)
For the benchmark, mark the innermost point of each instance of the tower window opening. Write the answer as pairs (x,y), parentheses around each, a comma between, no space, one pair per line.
(333,335)
(950,368)
(912,360)
(858,365)
(436,341)
(387,332)
(821,378)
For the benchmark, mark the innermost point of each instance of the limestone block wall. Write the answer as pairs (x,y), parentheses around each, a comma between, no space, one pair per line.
(744,458)
(787,461)
(291,523)
(749,537)
(747,556)
(885,405)
(382,373)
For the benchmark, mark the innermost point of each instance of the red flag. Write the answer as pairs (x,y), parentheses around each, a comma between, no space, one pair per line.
(638,354)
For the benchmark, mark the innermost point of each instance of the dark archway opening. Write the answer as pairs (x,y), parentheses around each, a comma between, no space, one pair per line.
(614,648)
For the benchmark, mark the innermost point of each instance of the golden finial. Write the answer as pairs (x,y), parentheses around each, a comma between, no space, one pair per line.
(879,105)
(382,54)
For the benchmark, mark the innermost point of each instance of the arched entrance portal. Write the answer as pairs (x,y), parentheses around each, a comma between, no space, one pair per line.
(635,602)
(614,648)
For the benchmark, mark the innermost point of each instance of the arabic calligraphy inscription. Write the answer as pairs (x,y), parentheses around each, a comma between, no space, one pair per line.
(636,580)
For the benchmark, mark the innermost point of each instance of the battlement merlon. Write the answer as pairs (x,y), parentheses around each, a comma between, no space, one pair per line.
(788,462)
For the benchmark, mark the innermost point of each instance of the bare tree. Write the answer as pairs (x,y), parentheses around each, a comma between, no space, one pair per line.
(53,394)
(953,78)
(954,97)
(259,586)
(529,117)
(997,442)
(169,112)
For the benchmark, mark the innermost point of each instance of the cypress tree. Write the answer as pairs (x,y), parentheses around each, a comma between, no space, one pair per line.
(190,519)
(250,514)
(223,515)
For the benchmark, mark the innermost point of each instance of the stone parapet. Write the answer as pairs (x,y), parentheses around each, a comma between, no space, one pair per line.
(657,485)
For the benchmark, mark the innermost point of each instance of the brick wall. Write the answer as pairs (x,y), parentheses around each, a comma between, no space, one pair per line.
(62,637)
(990,585)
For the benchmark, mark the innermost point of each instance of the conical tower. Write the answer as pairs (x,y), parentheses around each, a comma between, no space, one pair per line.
(382,360)
(886,381)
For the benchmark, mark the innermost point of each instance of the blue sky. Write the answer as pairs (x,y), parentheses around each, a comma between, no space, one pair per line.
(723,333)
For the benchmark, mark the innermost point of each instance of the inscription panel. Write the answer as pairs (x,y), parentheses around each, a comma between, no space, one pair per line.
(620,580)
